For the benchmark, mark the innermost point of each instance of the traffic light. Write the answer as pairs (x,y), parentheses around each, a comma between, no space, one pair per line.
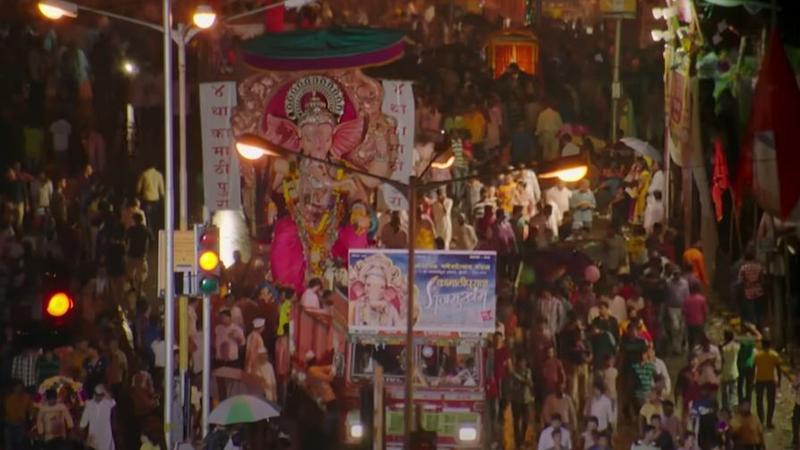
(207,264)
(57,307)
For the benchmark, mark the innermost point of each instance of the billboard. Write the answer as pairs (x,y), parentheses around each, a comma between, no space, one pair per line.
(454,291)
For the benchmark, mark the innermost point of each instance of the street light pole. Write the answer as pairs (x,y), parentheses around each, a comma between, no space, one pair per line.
(169,225)
(616,87)
(183,35)
(408,413)
(183,209)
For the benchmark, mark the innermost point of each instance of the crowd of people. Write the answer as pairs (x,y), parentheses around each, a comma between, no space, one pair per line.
(71,224)
(578,359)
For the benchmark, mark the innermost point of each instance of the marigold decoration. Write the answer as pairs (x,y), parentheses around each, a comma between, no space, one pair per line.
(68,391)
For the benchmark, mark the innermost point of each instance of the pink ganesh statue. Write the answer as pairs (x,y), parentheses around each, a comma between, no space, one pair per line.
(334,117)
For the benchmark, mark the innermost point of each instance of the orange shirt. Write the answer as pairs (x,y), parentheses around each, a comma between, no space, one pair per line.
(694,258)
(319,383)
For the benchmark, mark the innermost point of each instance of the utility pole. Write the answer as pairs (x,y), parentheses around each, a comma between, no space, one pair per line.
(169,227)
(616,86)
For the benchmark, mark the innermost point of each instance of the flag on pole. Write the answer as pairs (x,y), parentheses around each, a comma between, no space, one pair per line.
(721,181)
(770,156)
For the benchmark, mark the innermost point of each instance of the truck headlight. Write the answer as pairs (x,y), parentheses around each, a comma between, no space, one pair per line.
(467,434)
(356,431)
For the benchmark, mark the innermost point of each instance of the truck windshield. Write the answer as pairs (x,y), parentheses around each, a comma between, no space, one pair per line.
(391,357)
(450,365)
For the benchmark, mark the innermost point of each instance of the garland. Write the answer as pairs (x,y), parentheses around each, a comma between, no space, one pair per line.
(317,239)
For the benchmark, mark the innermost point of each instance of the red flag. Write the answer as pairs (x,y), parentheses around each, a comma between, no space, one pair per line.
(274,19)
(771,148)
(721,180)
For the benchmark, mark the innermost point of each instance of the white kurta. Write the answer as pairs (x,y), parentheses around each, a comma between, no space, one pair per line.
(442,220)
(97,417)
(267,373)
(657,183)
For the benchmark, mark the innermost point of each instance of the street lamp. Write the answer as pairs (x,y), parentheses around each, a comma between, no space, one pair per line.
(568,169)
(56,9)
(204,17)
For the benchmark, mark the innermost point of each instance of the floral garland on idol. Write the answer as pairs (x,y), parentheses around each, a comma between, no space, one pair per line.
(317,240)
(69,391)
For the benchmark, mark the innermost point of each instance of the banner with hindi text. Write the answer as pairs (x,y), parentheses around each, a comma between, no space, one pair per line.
(398,103)
(221,184)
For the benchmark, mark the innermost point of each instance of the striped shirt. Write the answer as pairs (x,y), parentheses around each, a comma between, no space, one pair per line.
(458,153)
(553,310)
(23,368)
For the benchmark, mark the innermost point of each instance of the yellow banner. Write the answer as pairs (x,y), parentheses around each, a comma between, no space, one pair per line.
(625,8)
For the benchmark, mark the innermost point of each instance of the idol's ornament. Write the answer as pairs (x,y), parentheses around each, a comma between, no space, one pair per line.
(328,109)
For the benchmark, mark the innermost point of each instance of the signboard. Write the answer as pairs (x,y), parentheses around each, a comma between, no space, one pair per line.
(398,103)
(454,291)
(618,8)
(182,255)
(221,185)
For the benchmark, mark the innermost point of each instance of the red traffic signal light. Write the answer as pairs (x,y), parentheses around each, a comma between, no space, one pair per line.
(58,305)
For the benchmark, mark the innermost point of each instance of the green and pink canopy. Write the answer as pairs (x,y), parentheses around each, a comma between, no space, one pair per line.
(324,49)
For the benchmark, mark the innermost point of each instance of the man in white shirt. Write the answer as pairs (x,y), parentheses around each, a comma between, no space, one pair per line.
(546,440)
(567,147)
(531,186)
(441,212)
(310,297)
(560,195)
(661,370)
(228,337)
(96,420)
(547,125)
(61,130)
(601,408)
(657,183)
(41,192)
(654,211)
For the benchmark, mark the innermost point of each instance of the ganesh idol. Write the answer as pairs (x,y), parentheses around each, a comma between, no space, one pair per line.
(334,117)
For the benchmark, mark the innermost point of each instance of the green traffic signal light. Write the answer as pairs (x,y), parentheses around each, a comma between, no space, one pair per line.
(209,285)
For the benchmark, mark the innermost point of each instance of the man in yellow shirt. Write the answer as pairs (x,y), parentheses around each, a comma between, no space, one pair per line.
(475,123)
(768,378)
(150,189)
